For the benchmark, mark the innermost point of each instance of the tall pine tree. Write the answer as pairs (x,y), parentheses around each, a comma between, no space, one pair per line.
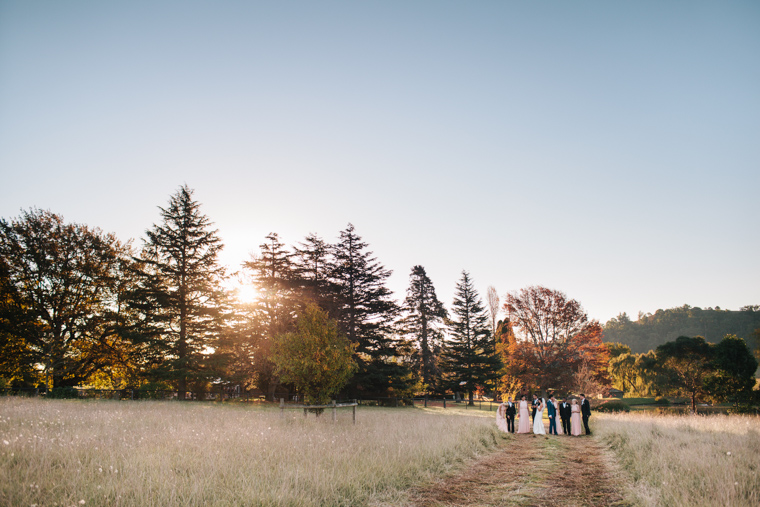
(470,356)
(423,322)
(274,311)
(180,293)
(366,312)
(312,263)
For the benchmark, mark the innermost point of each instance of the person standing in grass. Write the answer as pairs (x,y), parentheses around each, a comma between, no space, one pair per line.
(551,410)
(564,414)
(536,402)
(585,412)
(538,419)
(575,418)
(557,415)
(510,415)
(501,416)
(524,423)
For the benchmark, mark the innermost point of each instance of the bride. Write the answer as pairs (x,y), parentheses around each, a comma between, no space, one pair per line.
(538,422)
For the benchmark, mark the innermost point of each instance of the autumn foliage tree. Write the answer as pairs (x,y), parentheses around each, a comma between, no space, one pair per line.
(317,358)
(554,341)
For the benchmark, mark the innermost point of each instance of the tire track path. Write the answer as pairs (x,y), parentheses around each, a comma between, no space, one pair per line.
(530,470)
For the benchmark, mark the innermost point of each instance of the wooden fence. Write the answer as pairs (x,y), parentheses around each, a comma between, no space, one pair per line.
(334,405)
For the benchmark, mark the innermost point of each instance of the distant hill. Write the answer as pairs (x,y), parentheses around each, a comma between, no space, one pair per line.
(651,330)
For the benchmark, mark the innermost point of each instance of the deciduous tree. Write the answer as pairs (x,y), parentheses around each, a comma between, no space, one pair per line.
(60,296)
(735,366)
(554,338)
(316,357)
(684,365)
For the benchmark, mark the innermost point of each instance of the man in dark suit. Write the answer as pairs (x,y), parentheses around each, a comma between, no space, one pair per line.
(536,402)
(552,416)
(511,411)
(564,413)
(585,412)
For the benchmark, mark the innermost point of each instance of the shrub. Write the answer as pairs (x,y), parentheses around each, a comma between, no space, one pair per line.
(613,406)
(661,400)
(63,393)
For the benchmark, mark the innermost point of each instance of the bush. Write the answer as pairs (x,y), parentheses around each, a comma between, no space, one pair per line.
(613,406)
(63,393)
(744,409)
(661,400)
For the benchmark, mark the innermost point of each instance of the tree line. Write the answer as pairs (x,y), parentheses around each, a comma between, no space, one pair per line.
(79,307)
(652,330)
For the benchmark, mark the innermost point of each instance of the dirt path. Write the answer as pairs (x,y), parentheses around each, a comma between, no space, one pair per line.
(530,471)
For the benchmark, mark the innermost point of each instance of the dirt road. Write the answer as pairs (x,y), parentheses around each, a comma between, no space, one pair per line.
(530,470)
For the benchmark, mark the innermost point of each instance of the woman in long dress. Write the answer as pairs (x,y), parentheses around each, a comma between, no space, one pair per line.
(524,424)
(538,421)
(558,422)
(501,416)
(575,418)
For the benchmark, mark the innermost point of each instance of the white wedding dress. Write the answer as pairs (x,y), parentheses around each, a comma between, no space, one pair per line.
(538,422)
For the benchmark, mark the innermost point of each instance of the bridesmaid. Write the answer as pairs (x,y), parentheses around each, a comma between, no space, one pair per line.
(558,423)
(524,425)
(575,418)
(501,416)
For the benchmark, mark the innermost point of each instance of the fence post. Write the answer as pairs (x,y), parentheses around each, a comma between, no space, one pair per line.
(426,401)
(355,403)
(282,408)
(444,401)
(334,410)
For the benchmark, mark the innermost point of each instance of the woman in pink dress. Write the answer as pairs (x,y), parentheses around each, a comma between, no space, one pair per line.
(575,418)
(556,412)
(524,425)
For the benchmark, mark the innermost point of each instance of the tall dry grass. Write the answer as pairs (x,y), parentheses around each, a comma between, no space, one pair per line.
(68,452)
(687,460)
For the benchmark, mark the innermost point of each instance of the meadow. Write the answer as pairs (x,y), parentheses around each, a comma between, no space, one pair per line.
(684,460)
(71,452)
(163,453)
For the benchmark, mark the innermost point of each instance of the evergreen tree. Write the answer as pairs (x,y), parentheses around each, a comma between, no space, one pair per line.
(180,293)
(470,357)
(273,312)
(423,324)
(365,313)
(312,263)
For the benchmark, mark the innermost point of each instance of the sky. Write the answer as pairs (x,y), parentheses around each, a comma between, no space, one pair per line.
(610,150)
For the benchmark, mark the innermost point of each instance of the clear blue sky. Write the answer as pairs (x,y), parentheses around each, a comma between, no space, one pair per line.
(607,149)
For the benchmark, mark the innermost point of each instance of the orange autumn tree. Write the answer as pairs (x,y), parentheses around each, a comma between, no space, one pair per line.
(553,342)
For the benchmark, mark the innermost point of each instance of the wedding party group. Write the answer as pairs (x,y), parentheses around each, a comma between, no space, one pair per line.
(569,412)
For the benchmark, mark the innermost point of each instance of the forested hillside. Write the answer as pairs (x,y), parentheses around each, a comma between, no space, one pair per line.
(651,330)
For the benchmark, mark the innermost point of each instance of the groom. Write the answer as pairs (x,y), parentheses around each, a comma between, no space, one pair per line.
(585,412)
(536,402)
(552,415)
(564,414)
(511,410)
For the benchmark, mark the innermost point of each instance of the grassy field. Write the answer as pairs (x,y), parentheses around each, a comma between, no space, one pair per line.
(61,452)
(686,460)
(70,452)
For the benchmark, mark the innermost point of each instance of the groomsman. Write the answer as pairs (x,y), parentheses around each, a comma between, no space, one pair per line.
(552,416)
(511,411)
(536,402)
(585,412)
(564,413)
